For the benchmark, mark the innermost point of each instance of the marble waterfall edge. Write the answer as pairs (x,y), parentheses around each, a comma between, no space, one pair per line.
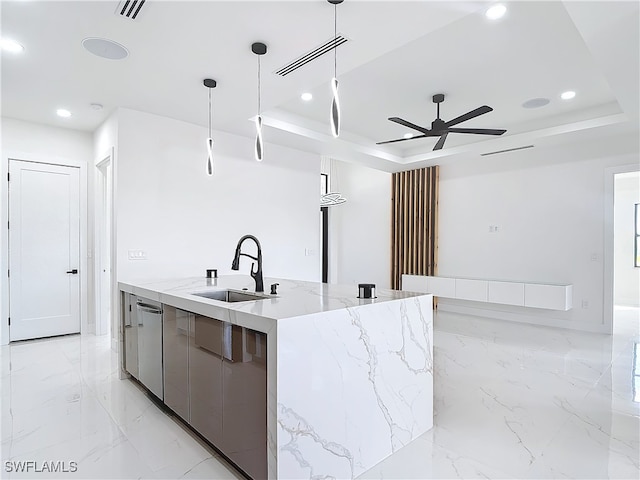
(349,381)
(354,386)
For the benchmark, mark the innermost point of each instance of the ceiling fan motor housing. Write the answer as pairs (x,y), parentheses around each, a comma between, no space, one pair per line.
(438,125)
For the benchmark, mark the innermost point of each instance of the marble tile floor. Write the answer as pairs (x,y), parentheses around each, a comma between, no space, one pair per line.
(511,401)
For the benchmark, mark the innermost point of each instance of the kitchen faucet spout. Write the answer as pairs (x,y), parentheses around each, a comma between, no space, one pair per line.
(257,274)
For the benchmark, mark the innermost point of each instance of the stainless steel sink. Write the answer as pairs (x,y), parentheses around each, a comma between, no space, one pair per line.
(230,295)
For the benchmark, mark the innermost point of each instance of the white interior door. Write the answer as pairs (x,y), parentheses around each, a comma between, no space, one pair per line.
(44,250)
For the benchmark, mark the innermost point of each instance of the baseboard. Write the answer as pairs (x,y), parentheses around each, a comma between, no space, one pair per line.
(521,318)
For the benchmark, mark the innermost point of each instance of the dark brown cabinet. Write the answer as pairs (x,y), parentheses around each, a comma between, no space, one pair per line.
(215,379)
(175,347)
(244,401)
(205,377)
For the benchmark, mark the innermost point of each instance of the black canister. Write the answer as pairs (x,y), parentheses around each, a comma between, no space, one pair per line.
(366,290)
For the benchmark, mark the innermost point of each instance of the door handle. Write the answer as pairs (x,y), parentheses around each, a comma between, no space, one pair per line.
(74,271)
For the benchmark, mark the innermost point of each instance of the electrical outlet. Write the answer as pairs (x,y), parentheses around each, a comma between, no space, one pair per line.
(585,304)
(137,255)
(493,228)
(309,252)
(594,257)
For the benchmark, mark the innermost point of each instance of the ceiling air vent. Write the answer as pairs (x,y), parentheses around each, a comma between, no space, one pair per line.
(507,150)
(129,8)
(326,47)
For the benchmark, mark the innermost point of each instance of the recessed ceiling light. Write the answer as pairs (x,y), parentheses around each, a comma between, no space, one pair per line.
(535,103)
(64,113)
(9,45)
(105,48)
(306,96)
(496,12)
(568,95)
(408,135)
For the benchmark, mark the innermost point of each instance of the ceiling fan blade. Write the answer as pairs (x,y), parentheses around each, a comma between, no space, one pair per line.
(441,141)
(477,131)
(402,139)
(400,121)
(469,115)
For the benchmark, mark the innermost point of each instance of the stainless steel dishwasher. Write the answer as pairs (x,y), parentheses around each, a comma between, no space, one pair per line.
(149,317)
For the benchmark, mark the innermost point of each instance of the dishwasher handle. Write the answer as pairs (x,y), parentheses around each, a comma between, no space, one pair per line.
(143,307)
(149,309)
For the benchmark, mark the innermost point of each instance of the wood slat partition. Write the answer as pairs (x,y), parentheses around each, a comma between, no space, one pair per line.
(414,223)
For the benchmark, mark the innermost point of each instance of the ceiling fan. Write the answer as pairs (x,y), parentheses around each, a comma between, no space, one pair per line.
(440,128)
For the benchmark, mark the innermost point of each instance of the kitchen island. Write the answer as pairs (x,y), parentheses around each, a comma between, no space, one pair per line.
(348,381)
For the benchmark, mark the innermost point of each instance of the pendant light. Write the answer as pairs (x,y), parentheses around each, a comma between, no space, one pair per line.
(259,49)
(209,83)
(334,116)
(332,197)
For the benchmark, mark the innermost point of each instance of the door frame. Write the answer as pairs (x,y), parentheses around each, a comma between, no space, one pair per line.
(100,181)
(609,198)
(4,236)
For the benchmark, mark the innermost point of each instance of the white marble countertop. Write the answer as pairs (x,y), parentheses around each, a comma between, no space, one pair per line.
(373,355)
(295,298)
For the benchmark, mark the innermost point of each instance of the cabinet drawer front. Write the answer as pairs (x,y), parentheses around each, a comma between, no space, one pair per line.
(471,289)
(208,334)
(506,293)
(442,287)
(415,283)
(554,297)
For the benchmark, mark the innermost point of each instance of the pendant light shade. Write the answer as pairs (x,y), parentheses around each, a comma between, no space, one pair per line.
(258,149)
(210,156)
(335,109)
(259,49)
(334,116)
(209,83)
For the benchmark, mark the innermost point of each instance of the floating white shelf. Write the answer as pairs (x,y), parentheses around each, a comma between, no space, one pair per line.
(523,294)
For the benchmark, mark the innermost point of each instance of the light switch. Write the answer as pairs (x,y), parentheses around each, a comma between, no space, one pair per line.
(309,252)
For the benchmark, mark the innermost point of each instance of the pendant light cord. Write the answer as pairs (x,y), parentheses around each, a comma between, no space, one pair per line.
(335,42)
(209,112)
(259,86)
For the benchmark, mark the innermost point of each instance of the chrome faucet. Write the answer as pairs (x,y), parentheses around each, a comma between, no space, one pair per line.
(257,275)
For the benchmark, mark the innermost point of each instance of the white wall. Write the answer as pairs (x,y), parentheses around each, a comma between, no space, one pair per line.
(626,277)
(360,239)
(29,141)
(105,144)
(549,205)
(105,138)
(187,222)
